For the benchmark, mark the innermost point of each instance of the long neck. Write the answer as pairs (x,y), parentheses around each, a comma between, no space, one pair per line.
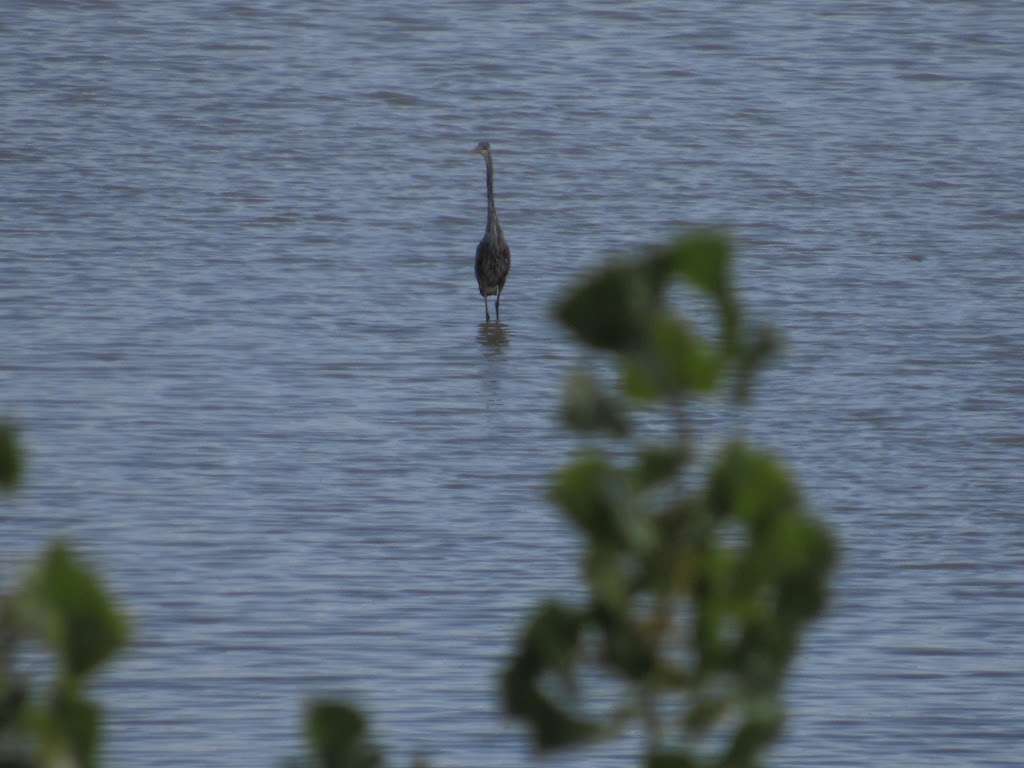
(493,227)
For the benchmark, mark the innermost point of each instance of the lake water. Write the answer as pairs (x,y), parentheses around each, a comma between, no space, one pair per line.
(242,337)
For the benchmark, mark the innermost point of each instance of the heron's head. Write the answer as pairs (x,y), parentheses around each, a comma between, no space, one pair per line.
(483,148)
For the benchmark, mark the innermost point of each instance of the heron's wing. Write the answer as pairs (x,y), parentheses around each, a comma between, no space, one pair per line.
(481,254)
(480,266)
(504,262)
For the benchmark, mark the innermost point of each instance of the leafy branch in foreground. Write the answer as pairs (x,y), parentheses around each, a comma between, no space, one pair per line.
(62,607)
(701,571)
(10,457)
(702,575)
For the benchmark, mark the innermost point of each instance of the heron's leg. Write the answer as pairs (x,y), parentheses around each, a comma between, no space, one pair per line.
(497,305)
(487,310)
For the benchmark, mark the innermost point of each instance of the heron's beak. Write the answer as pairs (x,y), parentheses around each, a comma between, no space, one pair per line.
(474,151)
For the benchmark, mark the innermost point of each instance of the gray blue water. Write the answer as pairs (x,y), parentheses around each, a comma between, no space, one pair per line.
(242,338)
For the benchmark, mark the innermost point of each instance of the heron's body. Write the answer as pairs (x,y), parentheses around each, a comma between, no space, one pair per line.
(493,260)
(493,256)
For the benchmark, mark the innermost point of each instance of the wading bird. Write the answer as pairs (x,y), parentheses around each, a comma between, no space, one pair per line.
(493,257)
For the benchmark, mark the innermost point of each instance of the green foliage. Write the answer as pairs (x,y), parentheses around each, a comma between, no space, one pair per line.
(703,260)
(70,727)
(338,738)
(700,582)
(63,606)
(611,310)
(589,408)
(549,644)
(10,457)
(66,604)
(702,572)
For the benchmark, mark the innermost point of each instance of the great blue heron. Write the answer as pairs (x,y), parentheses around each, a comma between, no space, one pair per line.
(493,257)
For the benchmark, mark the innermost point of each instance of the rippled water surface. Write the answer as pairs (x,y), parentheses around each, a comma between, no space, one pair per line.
(242,337)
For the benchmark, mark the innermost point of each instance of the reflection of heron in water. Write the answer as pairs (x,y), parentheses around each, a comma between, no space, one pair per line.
(493,257)
(492,337)
(494,371)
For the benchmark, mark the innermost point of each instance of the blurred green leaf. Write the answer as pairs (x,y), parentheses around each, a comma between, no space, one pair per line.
(553,728)
(550,645)
(671,361)
(338,737)
(627,648)
(667,760)
(704,260)
(612,309)
(67,604)
(672,565)
(589,408)
(751,486)
(762,725)
(12,701)
(658,463)
(71,728)
(705,712)
(606,576)
(763,344)
(10,457)
(14,759)
(598,498)
(803,586)
(687,362)
(551,641)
